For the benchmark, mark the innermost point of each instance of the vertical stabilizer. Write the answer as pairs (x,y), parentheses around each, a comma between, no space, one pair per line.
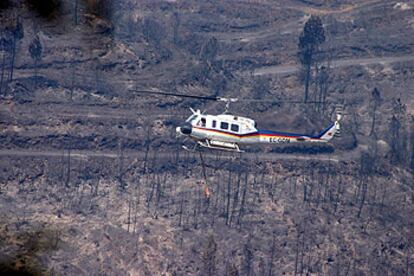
(332,130)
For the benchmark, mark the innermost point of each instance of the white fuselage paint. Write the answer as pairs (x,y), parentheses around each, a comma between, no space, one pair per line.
(241,130)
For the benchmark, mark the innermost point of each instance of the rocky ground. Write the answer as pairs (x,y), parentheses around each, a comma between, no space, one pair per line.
(93,180)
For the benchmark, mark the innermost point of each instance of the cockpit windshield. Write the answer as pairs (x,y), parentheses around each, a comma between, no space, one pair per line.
(191,119)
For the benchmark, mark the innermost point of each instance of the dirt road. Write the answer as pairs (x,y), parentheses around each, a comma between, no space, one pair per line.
(83,154)
(288,69)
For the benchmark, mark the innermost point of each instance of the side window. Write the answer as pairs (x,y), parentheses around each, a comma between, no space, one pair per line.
(214,124)
(224,125)
(203,122)
(234,128)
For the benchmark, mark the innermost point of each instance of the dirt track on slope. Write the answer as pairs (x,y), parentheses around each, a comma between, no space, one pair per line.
(288,69)
(84,154)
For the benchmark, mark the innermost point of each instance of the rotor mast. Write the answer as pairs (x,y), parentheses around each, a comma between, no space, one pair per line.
(227,101)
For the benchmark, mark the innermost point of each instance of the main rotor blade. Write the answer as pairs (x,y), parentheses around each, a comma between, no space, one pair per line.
(222,99)
(279,101)
(176,95)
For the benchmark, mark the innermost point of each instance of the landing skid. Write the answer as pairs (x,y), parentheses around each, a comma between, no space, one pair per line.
(207,144)
(220,145)
(217,145)
(194,149)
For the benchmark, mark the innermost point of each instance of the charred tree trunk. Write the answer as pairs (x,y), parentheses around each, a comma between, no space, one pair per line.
(13,56)
(272,255)
(307,81)
(228,199)
(3,68)
(243,201)
(68,169)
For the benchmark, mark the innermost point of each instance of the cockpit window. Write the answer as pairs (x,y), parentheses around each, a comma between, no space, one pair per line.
(191,118)
(203,122)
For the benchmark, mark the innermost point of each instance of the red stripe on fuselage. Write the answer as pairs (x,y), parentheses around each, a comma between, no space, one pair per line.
(254,134)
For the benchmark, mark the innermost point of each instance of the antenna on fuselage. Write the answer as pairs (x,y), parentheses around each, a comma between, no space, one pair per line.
(227,101)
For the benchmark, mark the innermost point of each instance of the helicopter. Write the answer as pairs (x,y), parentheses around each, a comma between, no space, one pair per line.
(227,132)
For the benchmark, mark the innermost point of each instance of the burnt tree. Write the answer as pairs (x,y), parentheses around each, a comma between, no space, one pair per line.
(5,46)
(209,256)
(310,39)
(208,51)
(35,50)
(17,35)
(397,134)
(248,253)
(375,102)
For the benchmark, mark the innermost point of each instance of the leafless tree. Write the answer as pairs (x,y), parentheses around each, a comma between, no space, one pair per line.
(272,255)
(228,199)
(395,138)
(208,51)
(120,173)
(412,144)
(243,200)
(75,13)
(17,35)
(366,169)
(5,48)
(209,256)
(312,36)
(248,254)
(68,168)
(35,50)
(375,103)
(323,84)
(176,27)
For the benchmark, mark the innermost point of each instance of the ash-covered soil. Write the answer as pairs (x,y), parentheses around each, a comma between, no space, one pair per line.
(78,215)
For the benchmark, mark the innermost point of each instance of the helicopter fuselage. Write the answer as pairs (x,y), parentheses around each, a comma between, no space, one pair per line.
(228,131)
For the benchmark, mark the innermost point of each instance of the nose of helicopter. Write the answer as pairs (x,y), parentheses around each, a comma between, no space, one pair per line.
(185,129)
